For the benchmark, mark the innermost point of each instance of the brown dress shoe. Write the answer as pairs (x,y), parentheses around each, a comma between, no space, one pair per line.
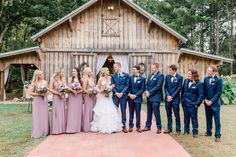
(177,132)
(139,130)
(124,130)
(217,139)
(130,129)
(167,132)
(146,129)
(158,131)
(195,136)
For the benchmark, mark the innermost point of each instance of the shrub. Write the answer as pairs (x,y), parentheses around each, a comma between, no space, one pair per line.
(229,90)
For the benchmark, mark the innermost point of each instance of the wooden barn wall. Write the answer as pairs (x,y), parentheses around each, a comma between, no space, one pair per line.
(199,63)
(86,32)
(66,60)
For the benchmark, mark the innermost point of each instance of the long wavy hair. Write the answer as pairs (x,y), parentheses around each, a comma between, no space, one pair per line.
(78,75)
(35,78)
(56,75)
(86,72)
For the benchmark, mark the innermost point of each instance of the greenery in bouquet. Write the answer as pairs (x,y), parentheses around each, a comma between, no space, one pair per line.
(93,91)
(41,90)
(63,90)
(77,86)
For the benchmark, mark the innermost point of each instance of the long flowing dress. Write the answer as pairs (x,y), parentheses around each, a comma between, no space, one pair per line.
(89,102)
(40,120)
(58,125)
(106,115)
(74,113)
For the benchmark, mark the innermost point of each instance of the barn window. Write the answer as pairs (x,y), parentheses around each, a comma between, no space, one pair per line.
(110,18)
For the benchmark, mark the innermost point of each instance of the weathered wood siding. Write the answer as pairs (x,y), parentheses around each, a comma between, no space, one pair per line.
(193,62)
(85,32)
(29,58)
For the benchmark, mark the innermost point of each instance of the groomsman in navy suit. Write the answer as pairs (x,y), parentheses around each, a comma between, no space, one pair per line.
(137,88)
(120,81)
(213,90)
(173,85)
(154,97)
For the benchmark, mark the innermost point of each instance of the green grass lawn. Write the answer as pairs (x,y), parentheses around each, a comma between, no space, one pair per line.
(15,131)
(206,146)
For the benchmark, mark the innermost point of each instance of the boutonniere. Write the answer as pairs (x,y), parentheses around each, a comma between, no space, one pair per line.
(122,75)
(193,87)
(154,78)
(175,79)
(138,81)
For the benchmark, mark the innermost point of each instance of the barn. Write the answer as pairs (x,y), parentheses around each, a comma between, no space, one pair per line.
(102,32)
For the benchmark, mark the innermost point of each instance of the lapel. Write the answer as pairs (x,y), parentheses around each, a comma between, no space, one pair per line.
(208,82)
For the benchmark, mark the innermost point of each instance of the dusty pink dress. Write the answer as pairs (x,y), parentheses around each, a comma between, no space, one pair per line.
(74,112)
(40,120)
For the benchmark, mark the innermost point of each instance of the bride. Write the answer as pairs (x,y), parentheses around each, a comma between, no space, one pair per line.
(106,117)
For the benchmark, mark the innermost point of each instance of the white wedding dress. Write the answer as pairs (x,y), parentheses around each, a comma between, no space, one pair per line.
(106,117)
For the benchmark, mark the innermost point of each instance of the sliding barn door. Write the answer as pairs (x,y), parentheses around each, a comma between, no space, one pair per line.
(144,60)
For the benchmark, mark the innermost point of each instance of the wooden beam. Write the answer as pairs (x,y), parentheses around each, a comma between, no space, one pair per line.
(2,86)
(108,50)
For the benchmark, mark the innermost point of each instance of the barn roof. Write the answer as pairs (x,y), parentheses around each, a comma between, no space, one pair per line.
(19,52)
(128,2)
(205,55)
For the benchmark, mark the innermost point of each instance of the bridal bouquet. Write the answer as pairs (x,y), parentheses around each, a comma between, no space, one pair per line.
(107,90)
(63,90)
(41,90)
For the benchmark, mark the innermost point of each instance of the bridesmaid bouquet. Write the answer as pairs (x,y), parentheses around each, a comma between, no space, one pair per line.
(41,90)
(77,86)
(93,91)
(63,90)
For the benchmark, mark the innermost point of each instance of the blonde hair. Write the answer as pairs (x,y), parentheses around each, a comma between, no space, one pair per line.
(104,71)
(56,75)
(86,72)
(35,78)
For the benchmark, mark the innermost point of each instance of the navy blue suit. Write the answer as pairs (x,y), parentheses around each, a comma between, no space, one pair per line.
(137,88)
(213,91)
(173,88)
(191,99)
(121,82)
(154,87)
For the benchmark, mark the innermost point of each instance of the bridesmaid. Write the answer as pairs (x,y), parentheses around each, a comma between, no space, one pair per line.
(75,103)
(89,98)
(57,87)
(40,121)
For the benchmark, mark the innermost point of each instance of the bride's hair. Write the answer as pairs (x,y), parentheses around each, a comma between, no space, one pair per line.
(104,71)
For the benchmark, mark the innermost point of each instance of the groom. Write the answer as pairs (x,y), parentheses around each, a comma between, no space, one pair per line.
(120,81)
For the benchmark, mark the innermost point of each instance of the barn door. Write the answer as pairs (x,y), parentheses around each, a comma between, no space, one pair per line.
(144,60)
(83,60)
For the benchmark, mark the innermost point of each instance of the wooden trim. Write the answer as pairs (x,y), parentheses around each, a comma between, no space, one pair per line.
(108,50)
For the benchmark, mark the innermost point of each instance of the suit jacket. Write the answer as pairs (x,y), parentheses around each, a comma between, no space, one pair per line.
(121,83)
(193,95)
(137,88)
(213,90)
(173,88)
(154,87)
